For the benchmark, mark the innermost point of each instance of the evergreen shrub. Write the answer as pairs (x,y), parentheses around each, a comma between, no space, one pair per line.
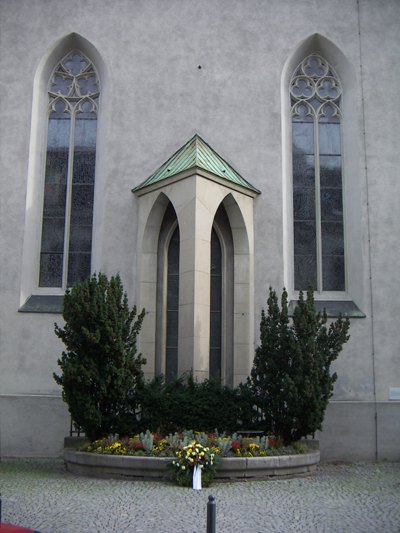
(100,369)
(102,380)
(290,380)
(184,403)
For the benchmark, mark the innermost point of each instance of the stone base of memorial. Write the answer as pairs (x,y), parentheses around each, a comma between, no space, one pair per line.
(155,468)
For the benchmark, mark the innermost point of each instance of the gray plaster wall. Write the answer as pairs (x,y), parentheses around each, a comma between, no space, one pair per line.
(32,425)
(155,97)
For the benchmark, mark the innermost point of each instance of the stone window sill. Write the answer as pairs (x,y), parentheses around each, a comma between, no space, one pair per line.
(334,308)
(43,303)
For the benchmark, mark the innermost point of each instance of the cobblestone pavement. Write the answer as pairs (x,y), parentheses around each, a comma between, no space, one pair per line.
(361,497)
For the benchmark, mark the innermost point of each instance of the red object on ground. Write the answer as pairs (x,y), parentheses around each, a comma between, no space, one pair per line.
(9,528)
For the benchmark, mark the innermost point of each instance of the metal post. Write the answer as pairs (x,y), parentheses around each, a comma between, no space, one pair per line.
(0,508)
(211,515)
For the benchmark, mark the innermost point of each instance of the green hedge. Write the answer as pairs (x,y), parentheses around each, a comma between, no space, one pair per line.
(185,403)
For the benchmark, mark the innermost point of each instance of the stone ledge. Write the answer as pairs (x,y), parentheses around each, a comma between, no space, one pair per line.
(262,467)
(155,468)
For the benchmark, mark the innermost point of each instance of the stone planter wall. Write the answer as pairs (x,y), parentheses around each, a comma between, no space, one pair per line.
(153,468)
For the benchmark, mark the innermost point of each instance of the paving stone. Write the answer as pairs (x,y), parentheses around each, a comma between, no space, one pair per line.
(361,497)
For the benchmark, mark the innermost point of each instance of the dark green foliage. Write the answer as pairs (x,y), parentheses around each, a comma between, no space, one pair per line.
(100,367)
(290,378)
(289,387)
(184,404)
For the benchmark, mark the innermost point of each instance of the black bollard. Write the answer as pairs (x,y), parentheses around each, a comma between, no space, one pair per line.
(211,515)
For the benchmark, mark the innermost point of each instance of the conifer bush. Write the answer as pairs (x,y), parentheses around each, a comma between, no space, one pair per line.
(290,380)
(100,368)
(184,403)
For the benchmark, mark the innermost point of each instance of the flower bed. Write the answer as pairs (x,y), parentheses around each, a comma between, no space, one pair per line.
(147,456)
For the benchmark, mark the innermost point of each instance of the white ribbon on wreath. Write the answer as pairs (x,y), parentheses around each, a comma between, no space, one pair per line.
(197,478)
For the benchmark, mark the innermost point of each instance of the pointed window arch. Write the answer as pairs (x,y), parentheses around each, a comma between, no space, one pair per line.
(66,241)
(171,198)
(315,93)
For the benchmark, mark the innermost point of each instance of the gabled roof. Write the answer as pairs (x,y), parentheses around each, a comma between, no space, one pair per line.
(196,153)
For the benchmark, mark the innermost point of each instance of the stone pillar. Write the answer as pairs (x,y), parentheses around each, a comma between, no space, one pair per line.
(195,223)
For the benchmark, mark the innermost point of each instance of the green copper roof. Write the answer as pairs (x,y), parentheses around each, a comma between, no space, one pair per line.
(196,153)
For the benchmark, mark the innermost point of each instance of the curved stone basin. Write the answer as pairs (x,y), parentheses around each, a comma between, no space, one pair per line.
(153,468)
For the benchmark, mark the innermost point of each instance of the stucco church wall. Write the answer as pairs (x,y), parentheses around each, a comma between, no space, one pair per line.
(212,67)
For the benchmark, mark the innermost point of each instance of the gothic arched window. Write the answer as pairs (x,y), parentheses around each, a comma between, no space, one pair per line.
(315,93)
(66,243)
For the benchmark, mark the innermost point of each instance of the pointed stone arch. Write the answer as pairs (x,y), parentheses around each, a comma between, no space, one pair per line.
(317,44)
(32,296)
(240,213)
(195,181)
(221,298)
(150,215)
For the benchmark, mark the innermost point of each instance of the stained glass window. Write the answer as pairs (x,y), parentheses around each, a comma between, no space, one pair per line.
(66,244)
(316,92)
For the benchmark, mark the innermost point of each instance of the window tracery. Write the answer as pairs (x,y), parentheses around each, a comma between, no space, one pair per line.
(315,93)
(73,96)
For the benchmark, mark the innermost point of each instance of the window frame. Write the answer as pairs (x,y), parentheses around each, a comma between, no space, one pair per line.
(353,299)
(74,103)
(33,298)
(316,121)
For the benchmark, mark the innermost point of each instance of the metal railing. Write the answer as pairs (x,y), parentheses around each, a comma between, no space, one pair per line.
(75,430)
